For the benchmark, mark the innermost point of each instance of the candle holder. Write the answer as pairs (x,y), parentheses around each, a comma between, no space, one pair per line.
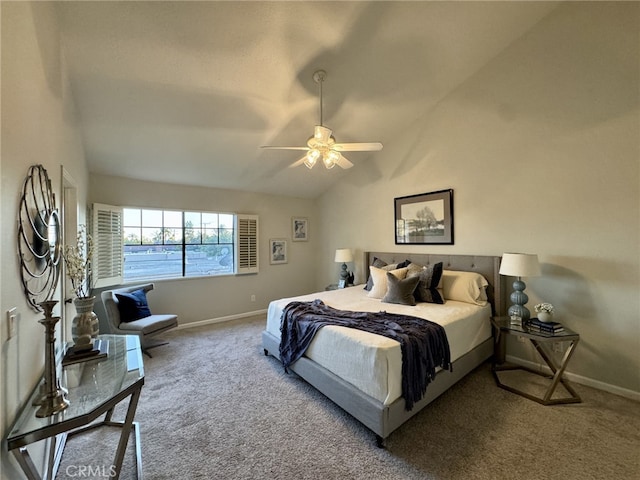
(53,399)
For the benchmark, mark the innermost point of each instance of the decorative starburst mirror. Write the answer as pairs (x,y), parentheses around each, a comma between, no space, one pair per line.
(39,238)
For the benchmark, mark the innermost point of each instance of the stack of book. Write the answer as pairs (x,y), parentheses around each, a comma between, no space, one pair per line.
(550,328)
(97,349)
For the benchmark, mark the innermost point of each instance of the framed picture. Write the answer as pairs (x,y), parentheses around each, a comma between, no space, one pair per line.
(277,251)
(426,218)
(300,229)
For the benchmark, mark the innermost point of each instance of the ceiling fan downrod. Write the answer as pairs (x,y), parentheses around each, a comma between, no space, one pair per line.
(318,77)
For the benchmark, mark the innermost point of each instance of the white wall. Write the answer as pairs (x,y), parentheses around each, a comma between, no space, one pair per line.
(201,299)
(541,147)
(38,127)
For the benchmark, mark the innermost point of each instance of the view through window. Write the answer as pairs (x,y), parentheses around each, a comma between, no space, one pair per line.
(171,243)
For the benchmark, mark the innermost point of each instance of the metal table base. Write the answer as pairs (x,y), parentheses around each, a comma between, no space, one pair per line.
(123,370)
(502,327)
(555,379)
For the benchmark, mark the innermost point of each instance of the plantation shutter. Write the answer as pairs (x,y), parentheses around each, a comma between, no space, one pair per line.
(108,253)
(247,229)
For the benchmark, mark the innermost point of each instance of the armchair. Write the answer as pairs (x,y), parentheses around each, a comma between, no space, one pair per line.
(145,327)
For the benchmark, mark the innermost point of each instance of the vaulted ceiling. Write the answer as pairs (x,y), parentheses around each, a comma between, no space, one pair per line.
(187,92)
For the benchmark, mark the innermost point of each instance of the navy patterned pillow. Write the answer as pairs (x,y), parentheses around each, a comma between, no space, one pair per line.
(429,277)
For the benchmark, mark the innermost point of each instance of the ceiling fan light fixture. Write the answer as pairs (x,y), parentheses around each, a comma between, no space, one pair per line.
(311,158)
(330,159)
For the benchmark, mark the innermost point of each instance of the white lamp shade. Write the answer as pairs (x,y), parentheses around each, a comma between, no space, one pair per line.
(343,255)
(520,265)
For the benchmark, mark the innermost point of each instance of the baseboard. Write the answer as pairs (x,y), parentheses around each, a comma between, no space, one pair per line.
(572,377)
(211,321)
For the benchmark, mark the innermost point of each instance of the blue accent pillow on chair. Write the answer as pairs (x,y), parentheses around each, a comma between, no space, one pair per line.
(133,305)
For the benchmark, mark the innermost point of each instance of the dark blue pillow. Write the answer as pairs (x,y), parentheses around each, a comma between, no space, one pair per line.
(406,263)
(133,305)
(427,289)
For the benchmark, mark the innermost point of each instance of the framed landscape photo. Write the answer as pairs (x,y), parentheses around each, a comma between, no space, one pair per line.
(425,219)
(299,229)
(277,251)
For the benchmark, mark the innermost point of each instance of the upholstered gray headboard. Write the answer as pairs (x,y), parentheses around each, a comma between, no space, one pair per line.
(487,266)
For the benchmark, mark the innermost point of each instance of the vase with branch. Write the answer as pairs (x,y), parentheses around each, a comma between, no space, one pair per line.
(77,258)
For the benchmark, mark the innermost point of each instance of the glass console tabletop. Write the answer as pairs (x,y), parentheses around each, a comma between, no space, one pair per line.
(94,387)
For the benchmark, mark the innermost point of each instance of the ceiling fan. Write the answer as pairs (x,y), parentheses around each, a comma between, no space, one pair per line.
(322,145)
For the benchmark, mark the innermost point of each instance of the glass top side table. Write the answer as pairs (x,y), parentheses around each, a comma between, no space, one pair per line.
(94,388)
(502,326)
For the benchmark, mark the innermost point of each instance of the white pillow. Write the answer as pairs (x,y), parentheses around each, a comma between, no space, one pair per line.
(379,277)
(466,287)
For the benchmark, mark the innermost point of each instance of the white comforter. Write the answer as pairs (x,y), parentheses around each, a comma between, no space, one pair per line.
(373,363)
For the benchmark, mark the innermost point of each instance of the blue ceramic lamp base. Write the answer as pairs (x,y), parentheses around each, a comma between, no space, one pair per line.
(519,299)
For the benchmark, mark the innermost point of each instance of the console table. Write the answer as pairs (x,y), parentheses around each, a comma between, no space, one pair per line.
(94,388)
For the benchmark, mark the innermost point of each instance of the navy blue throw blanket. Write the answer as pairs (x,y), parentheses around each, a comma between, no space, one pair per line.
(424,344)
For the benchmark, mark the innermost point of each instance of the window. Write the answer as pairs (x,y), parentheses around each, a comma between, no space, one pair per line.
(147,244)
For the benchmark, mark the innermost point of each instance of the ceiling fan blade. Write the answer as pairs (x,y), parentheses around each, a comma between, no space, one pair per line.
(270,147)
(297,163)
(343,162)
(357,147)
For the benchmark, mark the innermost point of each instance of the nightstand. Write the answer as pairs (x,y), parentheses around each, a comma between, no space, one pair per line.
(543,343)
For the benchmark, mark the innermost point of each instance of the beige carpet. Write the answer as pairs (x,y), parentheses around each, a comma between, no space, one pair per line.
(214,407)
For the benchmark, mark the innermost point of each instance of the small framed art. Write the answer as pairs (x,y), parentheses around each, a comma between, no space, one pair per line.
(277,251)
(426,218)
(300,229)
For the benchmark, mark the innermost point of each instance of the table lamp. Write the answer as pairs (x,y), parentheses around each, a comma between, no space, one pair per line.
(519,265)
(344,256)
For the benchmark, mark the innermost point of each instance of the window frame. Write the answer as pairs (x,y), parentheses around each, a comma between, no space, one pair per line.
(167,230)
(110,244)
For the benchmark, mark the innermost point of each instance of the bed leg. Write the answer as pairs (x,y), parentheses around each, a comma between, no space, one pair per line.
(380,441)
(266,352)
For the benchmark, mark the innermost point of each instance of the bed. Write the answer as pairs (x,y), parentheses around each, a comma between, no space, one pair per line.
(361,372)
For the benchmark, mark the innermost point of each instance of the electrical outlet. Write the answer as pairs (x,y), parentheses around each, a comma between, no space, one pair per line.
(522,339)
(558,347)
(11,323)
(253,298)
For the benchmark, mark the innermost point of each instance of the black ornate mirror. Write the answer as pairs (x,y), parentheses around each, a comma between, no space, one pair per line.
(39,245)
